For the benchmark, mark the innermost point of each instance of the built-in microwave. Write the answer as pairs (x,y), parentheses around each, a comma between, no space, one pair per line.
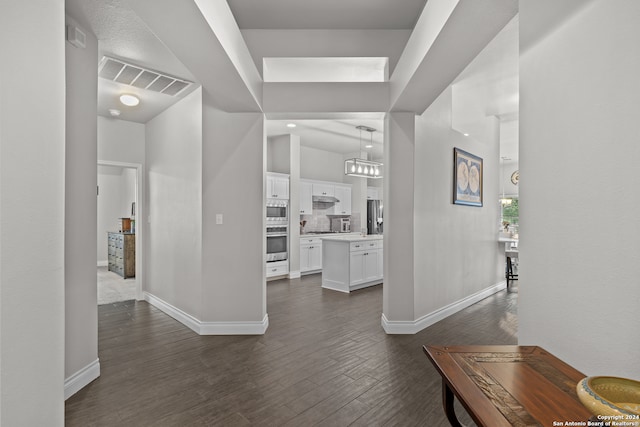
(277,243)
(277,211)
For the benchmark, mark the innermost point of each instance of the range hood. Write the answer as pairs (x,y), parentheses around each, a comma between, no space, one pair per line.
(324,199)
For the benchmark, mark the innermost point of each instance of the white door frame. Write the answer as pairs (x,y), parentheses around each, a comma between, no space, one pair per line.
(139,222)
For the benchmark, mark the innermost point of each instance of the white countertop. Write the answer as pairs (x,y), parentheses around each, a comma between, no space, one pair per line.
(352,238)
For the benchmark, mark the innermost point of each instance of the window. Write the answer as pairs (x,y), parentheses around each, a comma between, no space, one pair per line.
(510,214)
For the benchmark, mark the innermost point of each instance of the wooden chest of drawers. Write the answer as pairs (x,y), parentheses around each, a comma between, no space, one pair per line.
(122,253)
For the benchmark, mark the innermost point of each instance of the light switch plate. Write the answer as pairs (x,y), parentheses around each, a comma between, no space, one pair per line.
(218,218)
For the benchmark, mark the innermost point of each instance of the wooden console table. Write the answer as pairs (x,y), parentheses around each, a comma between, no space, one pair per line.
(508,385)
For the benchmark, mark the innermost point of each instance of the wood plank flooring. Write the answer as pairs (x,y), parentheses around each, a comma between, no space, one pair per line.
(324,360)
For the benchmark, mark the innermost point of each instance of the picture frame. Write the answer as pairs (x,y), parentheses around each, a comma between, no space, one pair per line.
(467,178)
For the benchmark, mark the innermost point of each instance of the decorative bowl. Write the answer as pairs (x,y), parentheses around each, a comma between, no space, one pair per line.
(610,395)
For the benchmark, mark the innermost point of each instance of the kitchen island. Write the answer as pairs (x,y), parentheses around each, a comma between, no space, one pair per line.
(351,262)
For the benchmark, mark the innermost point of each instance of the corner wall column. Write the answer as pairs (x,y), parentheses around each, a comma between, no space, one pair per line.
(398,292)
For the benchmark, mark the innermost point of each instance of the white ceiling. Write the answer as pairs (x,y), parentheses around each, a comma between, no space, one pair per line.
(340,135)
(122,34)
(327,14)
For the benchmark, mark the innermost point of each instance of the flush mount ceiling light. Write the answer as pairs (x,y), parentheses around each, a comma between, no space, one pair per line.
(129,100)
(291,125)
(363,168)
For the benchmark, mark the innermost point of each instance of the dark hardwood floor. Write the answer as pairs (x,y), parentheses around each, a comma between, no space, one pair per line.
(325,360)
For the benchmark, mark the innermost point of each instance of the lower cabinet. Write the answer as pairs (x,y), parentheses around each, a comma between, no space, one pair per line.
(277,268)
(122,253)
(365,266)
(350,265)
(310,255)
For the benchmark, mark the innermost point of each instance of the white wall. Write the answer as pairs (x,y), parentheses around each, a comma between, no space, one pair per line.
(579,252)
(173,247)
(398,289)
(507,168)
(117,192)
(120,141)
(279,154)
(455,248)
(234,164)
(81,315)
(439,257)
(321,165)
(32,214)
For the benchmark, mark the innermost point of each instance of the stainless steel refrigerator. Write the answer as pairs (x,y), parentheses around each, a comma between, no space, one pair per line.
(374,217)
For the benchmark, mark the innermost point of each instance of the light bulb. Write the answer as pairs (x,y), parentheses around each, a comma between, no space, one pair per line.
(366,170)
(130,100)
(371,171)
(377,172)
(359,169)
(353,167)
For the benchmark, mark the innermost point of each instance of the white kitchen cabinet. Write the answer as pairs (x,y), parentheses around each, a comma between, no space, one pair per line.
(310,254)
(350,263)
(380,259)
(277,186)
(356,267)
(321,189)
(277,268)
(306,198)
(366,260)
(343,194)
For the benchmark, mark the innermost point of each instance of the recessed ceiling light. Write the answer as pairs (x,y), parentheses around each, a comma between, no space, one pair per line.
(114,112)
(130,100)
(368,146)
(465,134)
(291,125)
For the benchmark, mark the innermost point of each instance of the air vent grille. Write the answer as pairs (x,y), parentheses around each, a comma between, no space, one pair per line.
(133,75)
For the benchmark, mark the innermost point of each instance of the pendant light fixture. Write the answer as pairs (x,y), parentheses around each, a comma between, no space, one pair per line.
(363,168)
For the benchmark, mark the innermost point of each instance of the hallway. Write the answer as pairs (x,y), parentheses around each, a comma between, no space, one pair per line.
(324,360)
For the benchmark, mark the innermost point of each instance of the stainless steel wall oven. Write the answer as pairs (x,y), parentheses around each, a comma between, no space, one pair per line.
(277,243)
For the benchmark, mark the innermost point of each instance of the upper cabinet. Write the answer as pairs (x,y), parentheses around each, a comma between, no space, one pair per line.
(343,194)
(306,198)
(326,190)
(277,186)
(322,189)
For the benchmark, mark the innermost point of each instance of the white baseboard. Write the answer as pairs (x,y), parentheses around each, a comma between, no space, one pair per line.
(412,327)
(104,263)
(208,328)
(294,275)
(235,328)
(183,317)
(80,379)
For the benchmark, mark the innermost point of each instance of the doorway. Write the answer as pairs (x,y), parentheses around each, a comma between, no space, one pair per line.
(119,201)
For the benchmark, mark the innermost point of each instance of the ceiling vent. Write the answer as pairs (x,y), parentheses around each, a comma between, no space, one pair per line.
(136,76)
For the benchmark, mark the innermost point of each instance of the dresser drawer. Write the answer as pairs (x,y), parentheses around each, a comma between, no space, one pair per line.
(277,270)
(360,246)
(122,253)
(310,241)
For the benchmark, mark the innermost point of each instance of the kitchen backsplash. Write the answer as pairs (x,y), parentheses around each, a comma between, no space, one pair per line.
(320,221)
